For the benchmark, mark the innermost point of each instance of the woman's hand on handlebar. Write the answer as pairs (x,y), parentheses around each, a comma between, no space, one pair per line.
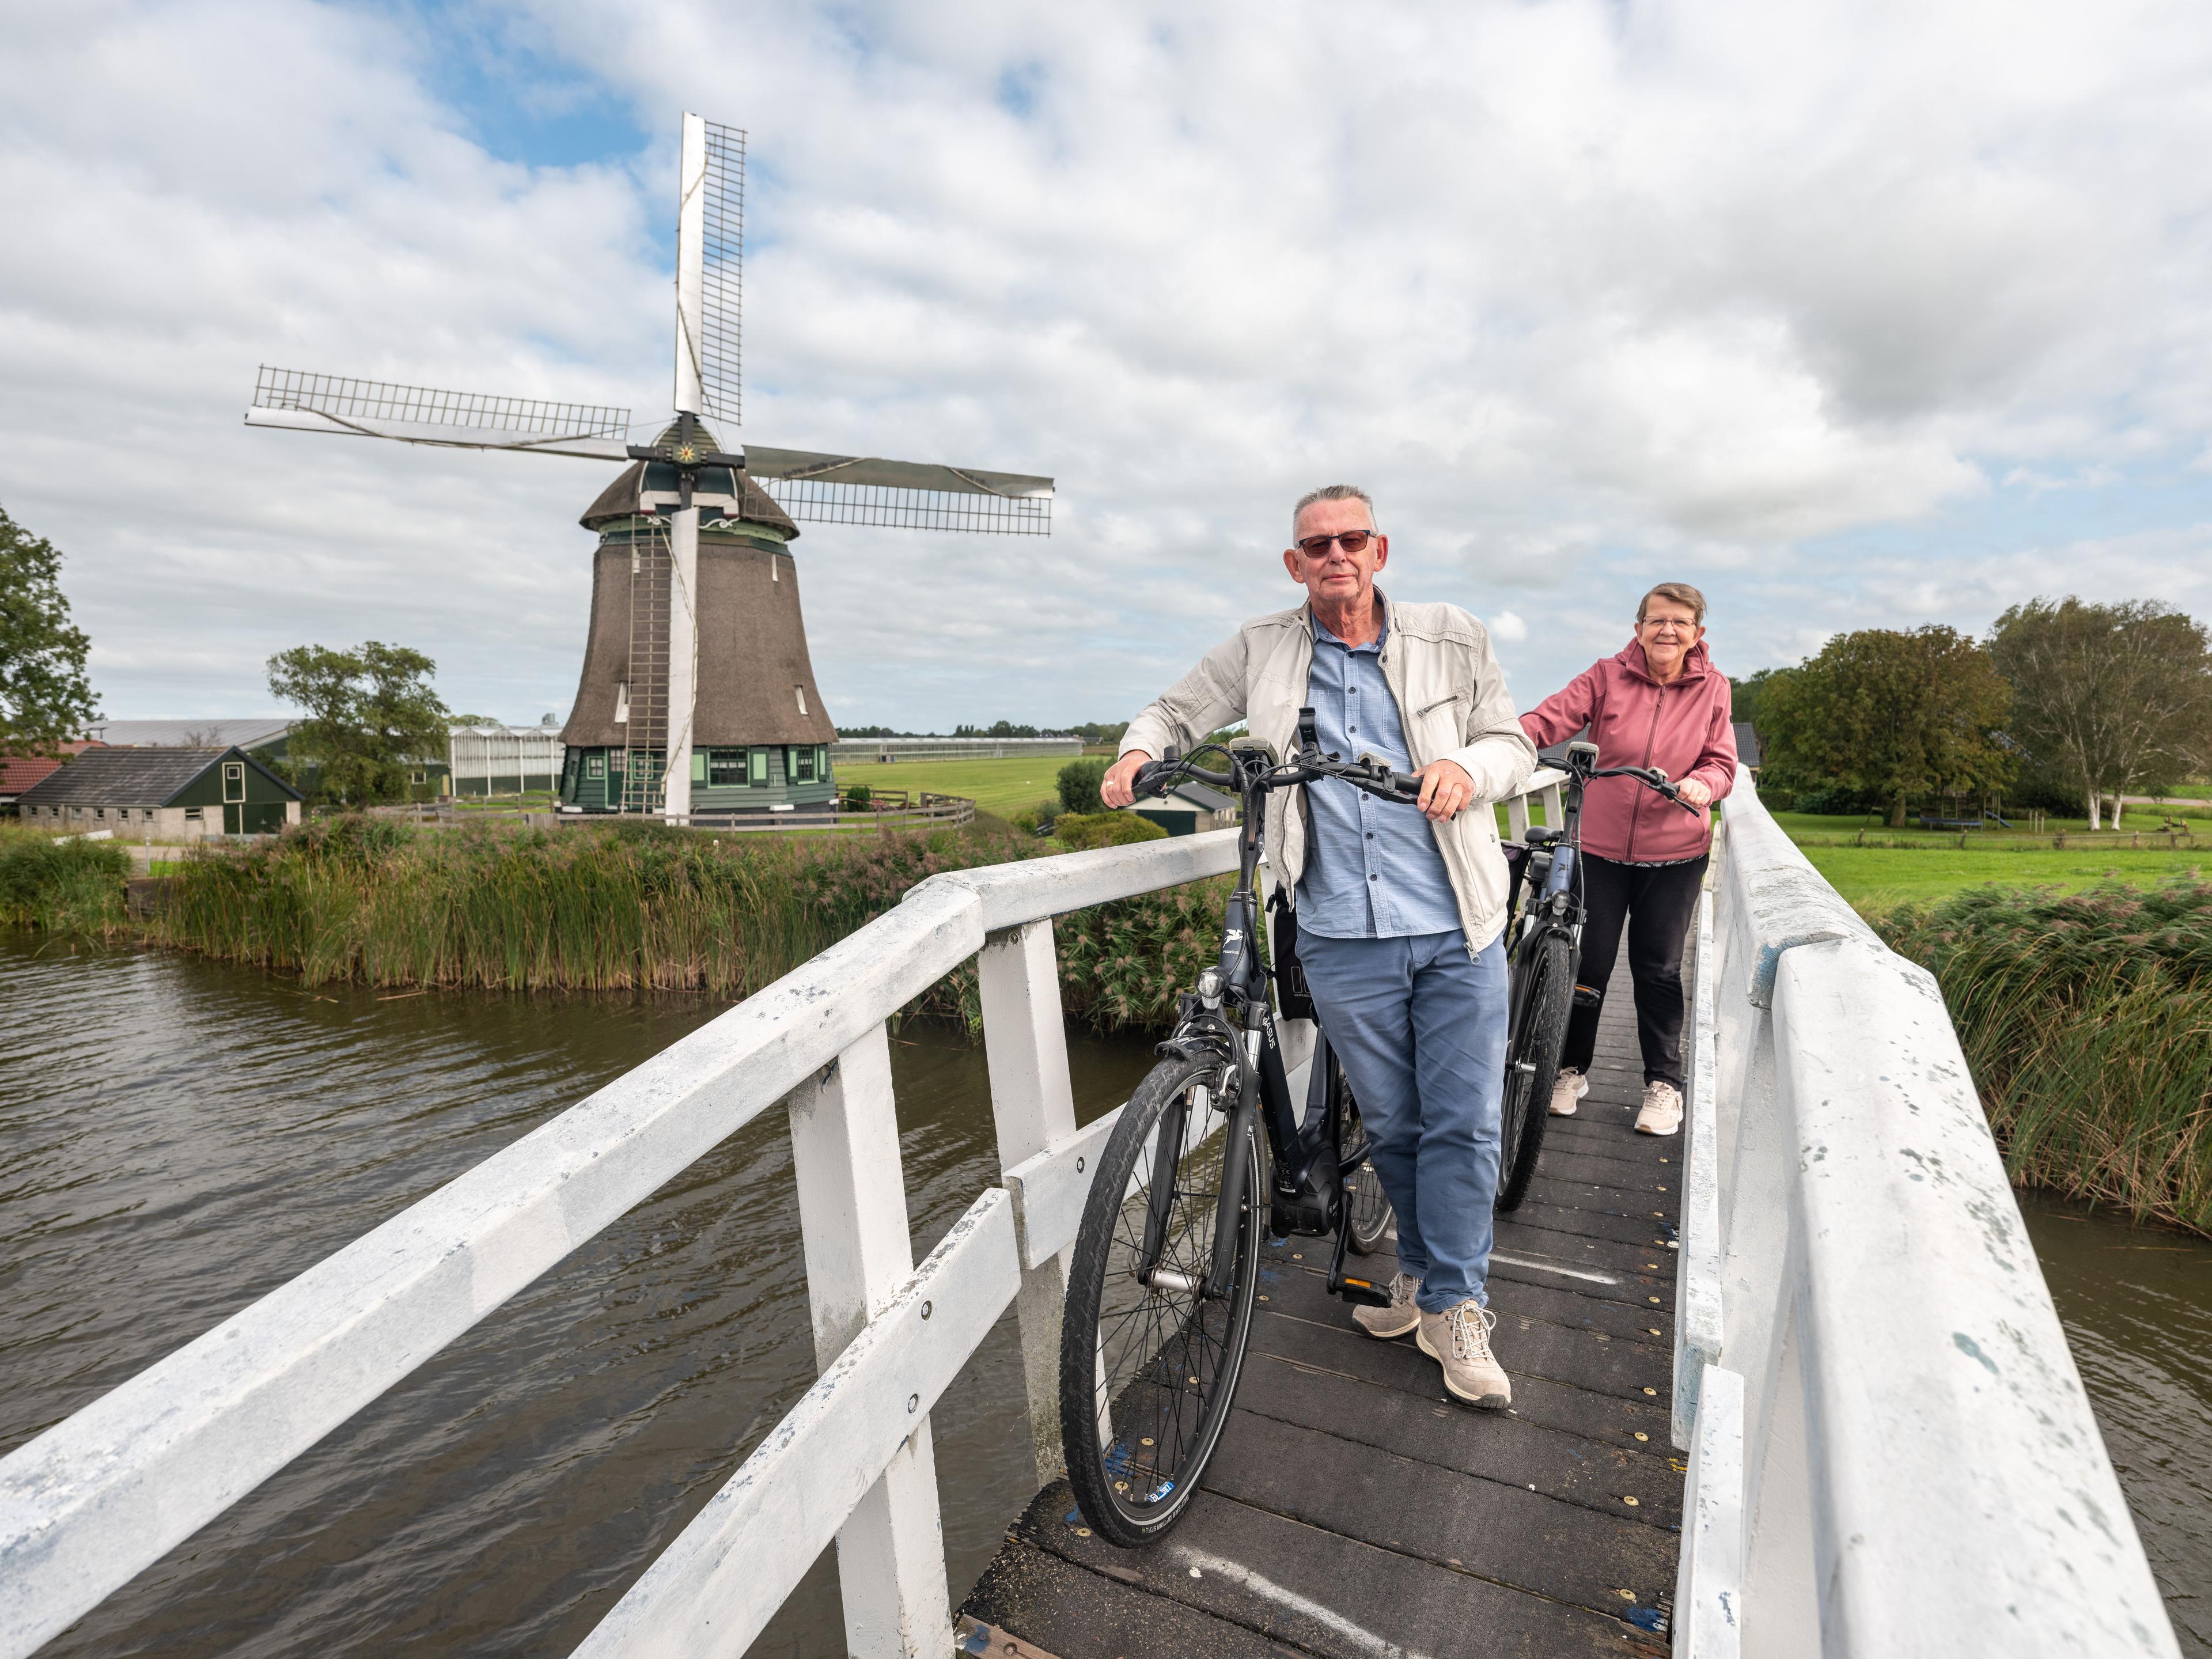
(1116,789)
(1694,793)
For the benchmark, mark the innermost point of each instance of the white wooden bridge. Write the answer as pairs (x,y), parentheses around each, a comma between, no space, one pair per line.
(1888,1449)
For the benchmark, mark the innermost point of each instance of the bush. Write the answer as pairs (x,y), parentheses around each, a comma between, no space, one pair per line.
(1778,800)
(1832,800)
(1079,783)
(1037,820)
(859,796)
(1080,831)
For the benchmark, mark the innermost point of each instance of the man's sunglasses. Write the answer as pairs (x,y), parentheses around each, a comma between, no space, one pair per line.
(1355,541)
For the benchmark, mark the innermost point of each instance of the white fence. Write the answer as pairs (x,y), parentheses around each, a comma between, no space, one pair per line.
(1890,1449)
(1892,1453)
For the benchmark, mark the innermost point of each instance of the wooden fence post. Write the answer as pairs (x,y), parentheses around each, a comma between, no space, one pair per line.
(1033,1103)
(851,1213)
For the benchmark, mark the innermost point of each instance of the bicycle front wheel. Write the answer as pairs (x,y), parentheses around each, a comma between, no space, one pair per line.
(1532,1067)
(1148,1366)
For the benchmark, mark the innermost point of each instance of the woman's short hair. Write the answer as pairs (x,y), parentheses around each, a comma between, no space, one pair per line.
(1681,594)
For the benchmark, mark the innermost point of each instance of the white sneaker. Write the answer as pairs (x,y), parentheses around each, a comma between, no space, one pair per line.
(1401,1316)
(1459,1341)
(1570,1087)
(1662,1109)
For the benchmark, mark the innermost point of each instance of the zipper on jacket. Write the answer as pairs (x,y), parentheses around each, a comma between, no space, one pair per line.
(1635,807)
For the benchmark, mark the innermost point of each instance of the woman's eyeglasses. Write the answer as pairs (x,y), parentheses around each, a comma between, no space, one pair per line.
(1354,541)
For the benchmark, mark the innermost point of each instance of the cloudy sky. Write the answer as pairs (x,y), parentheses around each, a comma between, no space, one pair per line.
(1855,314)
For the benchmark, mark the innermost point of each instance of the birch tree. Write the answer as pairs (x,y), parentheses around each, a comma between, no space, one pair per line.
(2107,699)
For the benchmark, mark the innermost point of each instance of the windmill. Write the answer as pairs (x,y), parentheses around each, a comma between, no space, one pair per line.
(696,683)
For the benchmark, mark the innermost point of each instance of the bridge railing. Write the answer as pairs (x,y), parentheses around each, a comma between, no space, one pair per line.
(89,1503)
(1890,1449)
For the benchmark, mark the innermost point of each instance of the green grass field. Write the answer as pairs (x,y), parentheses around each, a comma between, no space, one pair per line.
(1003,786)
(1878,878)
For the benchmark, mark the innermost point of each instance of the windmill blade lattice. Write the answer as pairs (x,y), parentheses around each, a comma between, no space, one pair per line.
(722,245)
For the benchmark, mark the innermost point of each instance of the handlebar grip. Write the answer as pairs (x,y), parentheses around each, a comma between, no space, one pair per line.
(1148,781)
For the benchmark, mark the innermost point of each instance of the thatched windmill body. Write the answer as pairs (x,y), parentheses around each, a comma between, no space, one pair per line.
(696,693)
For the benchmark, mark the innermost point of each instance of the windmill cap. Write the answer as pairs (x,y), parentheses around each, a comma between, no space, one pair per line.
(624,497)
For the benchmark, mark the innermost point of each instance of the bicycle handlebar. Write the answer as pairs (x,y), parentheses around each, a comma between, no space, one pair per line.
(1262,773)
(1651,779)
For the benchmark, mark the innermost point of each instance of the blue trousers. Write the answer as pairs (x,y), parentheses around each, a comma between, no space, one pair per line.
(1420,1028)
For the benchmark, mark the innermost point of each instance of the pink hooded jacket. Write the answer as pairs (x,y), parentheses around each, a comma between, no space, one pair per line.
(1636,721)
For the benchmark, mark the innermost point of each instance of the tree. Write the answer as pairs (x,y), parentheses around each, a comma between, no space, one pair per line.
(1891,714)
(1079,784)
(371,714)
(45,698)
(2107,698)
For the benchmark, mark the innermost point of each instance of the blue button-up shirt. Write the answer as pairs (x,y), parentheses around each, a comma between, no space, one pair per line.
(1373,870)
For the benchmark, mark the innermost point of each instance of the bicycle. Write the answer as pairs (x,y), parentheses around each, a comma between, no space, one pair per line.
(1165,1268)
(1544,956)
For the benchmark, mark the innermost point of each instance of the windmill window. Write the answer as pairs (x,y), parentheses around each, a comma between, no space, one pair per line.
(595,766)
(756,767)
(727,769)
(801,764)
(800,692)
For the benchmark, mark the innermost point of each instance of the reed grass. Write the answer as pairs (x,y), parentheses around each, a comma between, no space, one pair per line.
(2087,1020)
(625,909)
(62,886)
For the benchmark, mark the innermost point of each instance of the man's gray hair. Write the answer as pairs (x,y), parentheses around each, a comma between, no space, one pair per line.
(1332,493)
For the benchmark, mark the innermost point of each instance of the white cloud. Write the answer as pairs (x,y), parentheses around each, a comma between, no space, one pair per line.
(1591,296)
(1508,628)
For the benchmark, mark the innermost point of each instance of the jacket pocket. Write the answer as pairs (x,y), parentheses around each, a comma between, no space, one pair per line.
(1442,702)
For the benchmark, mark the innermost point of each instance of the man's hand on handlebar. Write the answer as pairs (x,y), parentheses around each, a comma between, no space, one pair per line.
(1114,789)
(1445,788)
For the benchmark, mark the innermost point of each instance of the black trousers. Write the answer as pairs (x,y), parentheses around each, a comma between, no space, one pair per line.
(1657,901)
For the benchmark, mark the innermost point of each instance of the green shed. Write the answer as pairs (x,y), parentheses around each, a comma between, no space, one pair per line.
(175,794)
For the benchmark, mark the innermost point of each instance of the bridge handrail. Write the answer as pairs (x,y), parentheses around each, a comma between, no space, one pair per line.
(1891,1449)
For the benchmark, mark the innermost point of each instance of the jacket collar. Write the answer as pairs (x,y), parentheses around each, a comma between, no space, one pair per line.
(1389,621)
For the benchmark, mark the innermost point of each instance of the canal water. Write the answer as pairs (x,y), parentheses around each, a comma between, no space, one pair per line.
(179,1137)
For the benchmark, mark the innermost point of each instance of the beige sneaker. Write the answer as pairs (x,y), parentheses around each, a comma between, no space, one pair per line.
(1570,1087)
(1401,1316)
(1459,1340)
(1662,1109)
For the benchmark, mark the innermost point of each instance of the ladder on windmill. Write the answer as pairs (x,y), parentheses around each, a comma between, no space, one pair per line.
(645,731)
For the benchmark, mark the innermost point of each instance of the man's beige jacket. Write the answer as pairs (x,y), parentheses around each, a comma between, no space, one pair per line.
(1452,705)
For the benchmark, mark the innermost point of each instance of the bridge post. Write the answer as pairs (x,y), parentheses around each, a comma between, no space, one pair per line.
(851,1213)
(1033,1104)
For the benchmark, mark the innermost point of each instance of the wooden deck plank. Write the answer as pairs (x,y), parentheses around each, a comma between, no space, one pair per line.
(1353,1507)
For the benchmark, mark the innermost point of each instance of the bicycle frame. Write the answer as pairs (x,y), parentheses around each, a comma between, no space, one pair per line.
(1230,1016)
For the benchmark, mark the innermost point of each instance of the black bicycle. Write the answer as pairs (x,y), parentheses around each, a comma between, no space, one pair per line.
(1545,950)
(1166,1264)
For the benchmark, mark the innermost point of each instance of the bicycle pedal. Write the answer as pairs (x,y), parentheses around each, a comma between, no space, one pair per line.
(1355,1288)
(1360,1292)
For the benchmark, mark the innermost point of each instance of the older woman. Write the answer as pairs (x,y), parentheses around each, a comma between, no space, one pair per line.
(1657,702)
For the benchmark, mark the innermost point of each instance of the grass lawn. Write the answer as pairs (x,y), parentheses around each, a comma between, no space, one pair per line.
(1807,829)
(1003,786)
(1877,878)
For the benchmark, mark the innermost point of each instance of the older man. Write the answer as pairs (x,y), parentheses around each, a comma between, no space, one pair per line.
(1399,912)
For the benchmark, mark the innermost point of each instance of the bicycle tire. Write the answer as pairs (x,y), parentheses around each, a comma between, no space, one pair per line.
(1539,1037)
(1147,1375)
(1367,1212)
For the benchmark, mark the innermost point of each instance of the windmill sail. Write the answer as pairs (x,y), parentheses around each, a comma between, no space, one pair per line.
(907,494)
(299,401)
(722,285)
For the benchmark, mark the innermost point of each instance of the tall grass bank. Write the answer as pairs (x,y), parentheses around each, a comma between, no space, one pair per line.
(2087,1020)
(629,908)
